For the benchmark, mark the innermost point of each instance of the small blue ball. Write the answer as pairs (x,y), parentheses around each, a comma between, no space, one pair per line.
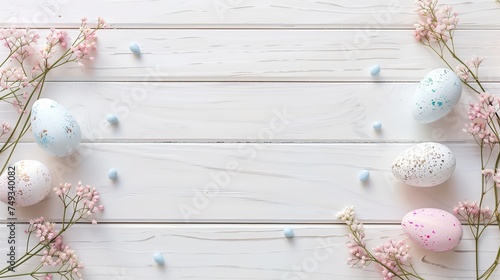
(288,232)
(112,174)
(158,258)
(112,119)
(375,70)
(363,175)
(134,47)
(377,125)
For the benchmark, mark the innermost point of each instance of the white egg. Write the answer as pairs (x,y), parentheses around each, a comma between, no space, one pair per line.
(25,183)
(424,165)
(434,229)
(436,95)
(55,130)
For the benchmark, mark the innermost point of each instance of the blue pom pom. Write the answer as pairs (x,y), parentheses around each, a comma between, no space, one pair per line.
(375,70)
(158,258)
(377,125)
(363,175)
(112,118)
(134,47)
(112,174)
(288,232)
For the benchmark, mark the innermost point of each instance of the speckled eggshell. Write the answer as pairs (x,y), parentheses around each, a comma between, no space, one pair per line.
(32,182)
(424,165)
(436,95)
(434,229)
(55,130)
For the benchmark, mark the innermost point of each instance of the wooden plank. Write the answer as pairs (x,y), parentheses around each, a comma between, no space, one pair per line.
(367,14)
(251,112)
(250,252)
(272,55)
(250,182)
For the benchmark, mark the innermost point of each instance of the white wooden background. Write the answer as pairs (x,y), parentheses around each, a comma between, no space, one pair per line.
(279,88)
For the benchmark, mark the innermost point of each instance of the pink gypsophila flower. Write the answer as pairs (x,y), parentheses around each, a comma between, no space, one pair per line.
(5,128)
(436,23)
(481,114)
(392,255)
(470,210)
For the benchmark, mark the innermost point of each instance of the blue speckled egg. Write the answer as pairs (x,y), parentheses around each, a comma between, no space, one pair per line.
(55,130)
(436,95)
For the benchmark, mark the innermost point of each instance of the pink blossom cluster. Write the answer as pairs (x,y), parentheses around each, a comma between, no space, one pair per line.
(491,174)
(54,38)
(56,253)
(483,116)
(12,77)
(358,254)
(465,71)
(87,41)
(86,195)
(60,254)
(42,229)
(19,42)
(5,128)
(392,255)
(472,212)
(436,24)
(15,74)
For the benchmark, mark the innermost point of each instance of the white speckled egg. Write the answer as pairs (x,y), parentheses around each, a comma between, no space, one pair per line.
(436,95)
(56,131)
(424,165)
(434,229)
(28,181)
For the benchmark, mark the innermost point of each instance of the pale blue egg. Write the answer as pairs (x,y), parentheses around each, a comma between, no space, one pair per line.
(377,125)
(158,258)
(112,174)
(375,70)
(55,130)
(112,118)
(288,232)
(134,47)
(363,175)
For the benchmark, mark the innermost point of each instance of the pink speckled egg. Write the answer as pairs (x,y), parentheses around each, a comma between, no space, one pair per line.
(434,229)
(25,183)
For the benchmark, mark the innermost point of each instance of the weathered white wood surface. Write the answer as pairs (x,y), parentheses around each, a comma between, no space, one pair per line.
(249,182)
(279,89)
(250,112)
(272,55)
(286,14)
(124,252)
